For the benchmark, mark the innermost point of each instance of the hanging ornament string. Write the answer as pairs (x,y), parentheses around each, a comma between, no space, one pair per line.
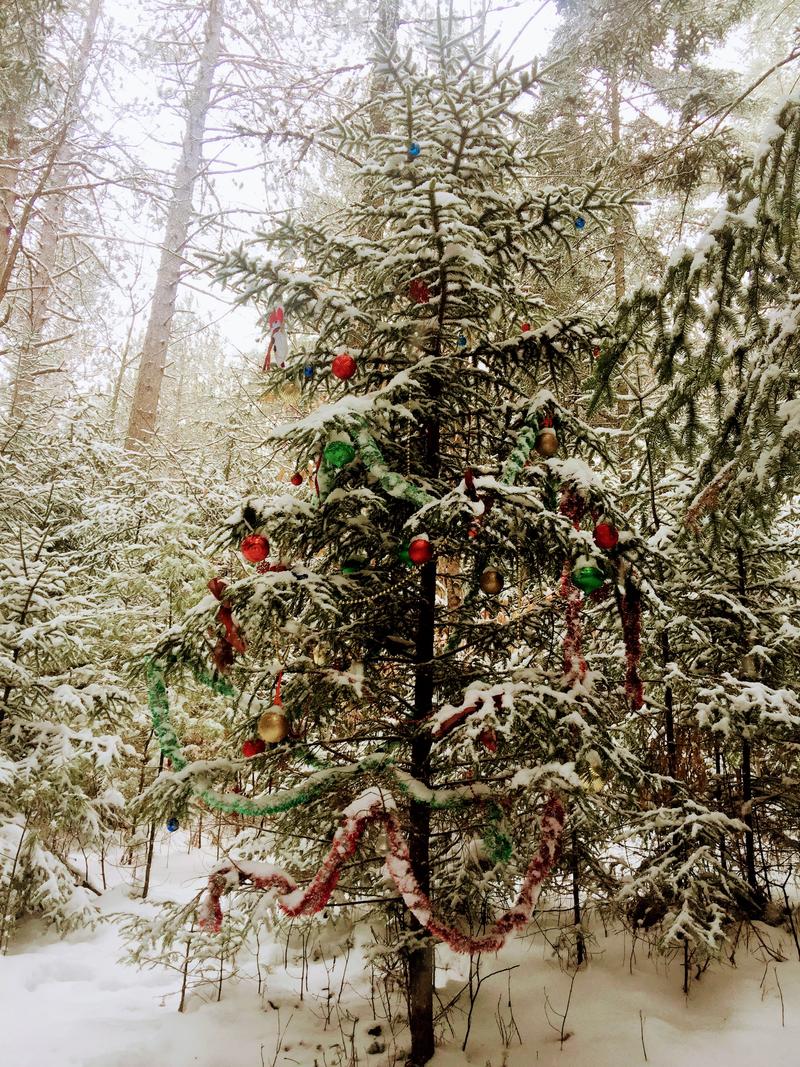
(375,807)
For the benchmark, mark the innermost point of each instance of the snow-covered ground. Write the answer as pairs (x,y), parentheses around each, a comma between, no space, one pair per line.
(71,1003)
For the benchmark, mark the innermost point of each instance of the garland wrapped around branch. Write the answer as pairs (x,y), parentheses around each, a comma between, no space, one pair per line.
(390,481)
(376,807)
(326,778)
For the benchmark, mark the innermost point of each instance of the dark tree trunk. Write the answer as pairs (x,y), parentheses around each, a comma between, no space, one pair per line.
(580,944)
(421,960)
(669,715)
(747,816)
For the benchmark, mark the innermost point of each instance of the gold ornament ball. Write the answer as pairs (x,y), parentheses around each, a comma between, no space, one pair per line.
(273,726)
(491,581)
(547,442)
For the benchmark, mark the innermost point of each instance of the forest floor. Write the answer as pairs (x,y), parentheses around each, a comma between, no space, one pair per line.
(71,1003)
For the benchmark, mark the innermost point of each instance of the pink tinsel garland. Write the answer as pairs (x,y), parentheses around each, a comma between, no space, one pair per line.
(573,506)
(630,609)
(375,807)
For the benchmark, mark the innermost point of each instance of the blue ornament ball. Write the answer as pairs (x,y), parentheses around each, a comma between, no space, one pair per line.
(580,222)
(413,150)
(172,824)
(308,371)
(462,341)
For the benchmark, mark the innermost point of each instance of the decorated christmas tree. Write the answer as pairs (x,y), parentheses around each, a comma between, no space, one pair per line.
(405,636)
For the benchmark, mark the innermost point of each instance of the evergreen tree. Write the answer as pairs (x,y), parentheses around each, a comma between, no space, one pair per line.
(95,560)
(406,633)
(719,502)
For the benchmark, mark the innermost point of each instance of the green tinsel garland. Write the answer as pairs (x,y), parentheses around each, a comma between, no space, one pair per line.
(523,448)
(318,783)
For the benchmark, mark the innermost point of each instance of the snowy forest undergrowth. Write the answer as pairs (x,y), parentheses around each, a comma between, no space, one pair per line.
(399,540)
(321,998)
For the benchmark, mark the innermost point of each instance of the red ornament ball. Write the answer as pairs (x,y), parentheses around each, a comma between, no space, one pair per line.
(253,746)
(254,548)
(526,327)
(420,550)
(343,366)
(473,531)
(297,479)
(606,536)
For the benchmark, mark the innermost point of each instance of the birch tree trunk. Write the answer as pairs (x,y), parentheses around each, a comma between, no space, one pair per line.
(153,362)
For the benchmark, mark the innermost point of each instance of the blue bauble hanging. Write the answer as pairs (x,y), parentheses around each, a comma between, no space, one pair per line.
(172,824)
(580,222)
(462,341)
(308,371)
(413,150)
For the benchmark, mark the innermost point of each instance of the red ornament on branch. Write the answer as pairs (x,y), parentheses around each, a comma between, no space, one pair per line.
(420,551)
(253,746)
(526,327)
(254,548)
(343,366)
(606,536)
(297,478)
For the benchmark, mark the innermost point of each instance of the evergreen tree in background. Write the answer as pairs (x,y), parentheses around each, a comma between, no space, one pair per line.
(95,559)
(418,608)
(716,426)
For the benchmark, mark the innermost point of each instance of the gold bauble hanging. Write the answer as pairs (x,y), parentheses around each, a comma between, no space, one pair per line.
(273,726)
(491,581)
(547,442)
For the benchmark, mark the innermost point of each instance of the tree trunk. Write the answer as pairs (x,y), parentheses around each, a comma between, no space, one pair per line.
(147,393)
(58,172)
(618,236)
(747,816)
(421,960)
(9,174)
(580,943)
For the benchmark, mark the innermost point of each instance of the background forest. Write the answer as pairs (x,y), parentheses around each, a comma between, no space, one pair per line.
(399,434)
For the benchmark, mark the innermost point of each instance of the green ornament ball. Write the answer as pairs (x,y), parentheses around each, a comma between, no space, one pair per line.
(403,554)
(339,453)
(588,579)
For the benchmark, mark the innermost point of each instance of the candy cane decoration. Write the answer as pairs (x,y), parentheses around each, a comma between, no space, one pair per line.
(277,342)
(376,807)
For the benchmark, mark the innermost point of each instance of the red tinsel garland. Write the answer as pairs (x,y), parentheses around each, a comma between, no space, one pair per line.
(630,610)
(376,807)
(573,506)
